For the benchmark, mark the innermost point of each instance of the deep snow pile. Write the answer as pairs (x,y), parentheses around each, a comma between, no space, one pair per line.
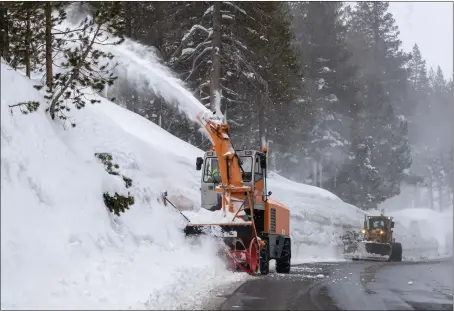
(424,233)
(60,247)
(318,219)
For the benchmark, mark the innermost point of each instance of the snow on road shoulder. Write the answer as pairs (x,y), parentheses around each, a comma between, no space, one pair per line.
(60,247)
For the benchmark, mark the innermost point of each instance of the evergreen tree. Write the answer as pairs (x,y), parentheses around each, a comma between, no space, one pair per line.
(418,73)
(439,84)
(358,181)
(419,82)
(255,76)
(330,86)
(25,34)
(373,37)
(276,69)
(86,65)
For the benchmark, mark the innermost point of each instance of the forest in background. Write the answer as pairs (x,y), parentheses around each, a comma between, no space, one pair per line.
(325,85)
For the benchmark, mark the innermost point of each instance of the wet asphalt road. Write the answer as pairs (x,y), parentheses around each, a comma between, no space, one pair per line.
(355,285)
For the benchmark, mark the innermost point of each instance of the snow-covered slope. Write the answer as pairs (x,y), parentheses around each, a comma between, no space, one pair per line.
(60,247)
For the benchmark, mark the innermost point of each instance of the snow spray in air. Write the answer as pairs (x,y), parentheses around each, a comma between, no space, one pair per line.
(140,65)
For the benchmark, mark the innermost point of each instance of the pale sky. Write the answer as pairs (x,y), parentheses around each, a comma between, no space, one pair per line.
(430,25)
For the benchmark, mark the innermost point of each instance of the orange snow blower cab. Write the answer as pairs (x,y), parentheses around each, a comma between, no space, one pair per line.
(256,229)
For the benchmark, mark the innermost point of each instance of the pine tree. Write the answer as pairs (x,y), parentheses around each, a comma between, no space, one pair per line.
(439,83)
(358,181)
(330,85)
(86,65)
(418,72)
(280,67)
(419,82)
(247,81)
(4,31)
(24,34)
(373,38)
(274,65)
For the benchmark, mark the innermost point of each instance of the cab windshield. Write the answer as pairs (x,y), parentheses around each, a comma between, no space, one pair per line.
(377,223)
(211,173)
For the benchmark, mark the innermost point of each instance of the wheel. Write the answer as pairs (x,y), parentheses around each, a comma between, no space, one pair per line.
(396,252)
(283,263)
(265,260)
(254,256)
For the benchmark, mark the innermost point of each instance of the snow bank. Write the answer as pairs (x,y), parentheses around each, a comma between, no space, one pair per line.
(424,233)
(318,219)
(60,247)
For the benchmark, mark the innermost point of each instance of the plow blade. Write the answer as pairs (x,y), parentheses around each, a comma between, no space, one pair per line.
(230,230)
(363,250)
(378,249)
(238,246)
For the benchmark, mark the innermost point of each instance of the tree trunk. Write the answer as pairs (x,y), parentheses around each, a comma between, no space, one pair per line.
(4,32)
(440,183)
(128,19)
(27,43)
(440,196)
(431,192)
(314,173)
(417,199)
(49,73)
(261,116)
(215,85)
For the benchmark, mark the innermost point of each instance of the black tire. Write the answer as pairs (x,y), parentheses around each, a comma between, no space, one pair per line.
(265,260)
(396,252)
(283,263)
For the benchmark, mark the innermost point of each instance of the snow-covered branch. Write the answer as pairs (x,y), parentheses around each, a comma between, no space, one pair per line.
(237,42)
(229,91)
(201,86)
(194,63)
(188,36)
(236,8)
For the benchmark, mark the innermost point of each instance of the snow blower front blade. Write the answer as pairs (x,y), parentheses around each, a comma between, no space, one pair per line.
(239,247)
(366,250)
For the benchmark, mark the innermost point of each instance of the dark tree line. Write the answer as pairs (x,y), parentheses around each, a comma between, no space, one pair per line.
(326,85)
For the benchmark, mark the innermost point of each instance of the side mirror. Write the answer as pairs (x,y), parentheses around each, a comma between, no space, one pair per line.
(265,197)
(198,163)
(263,163)
(392,224)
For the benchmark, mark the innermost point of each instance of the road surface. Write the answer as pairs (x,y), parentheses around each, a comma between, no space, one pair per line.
(350,286)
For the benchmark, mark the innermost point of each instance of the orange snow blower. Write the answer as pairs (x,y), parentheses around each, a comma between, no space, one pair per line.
(234,181)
